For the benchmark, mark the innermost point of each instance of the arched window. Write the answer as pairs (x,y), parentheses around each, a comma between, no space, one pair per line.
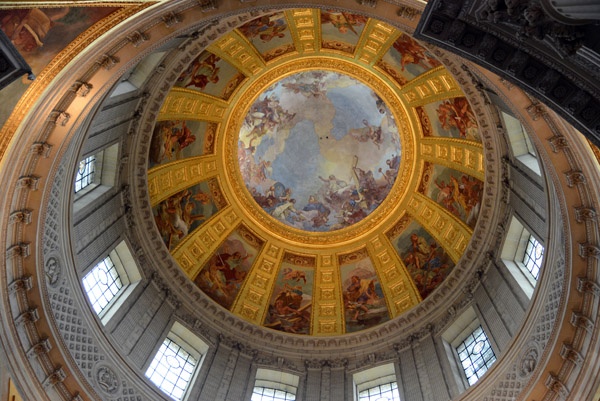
(519,141)
(273,385)
(469,349)
(378,383)
(475,354)
(85,173)
(177,361)
(522,254)
(96,174)
(110,281)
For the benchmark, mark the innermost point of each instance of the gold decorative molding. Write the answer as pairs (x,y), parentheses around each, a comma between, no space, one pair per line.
(459,154)
(398,287)
(53,68)
(374,42)
(451,233)
(287,50)
(229,140)
(239,52)
(197,248)
(252,302)
(305,27)
(188,104)
(168,179)
(433,85)
(328,304)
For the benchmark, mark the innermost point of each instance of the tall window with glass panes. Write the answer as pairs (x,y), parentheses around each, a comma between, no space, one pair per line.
(534,253)
(476,355)
(85,173)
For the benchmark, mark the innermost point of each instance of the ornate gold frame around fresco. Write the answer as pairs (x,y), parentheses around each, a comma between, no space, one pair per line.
(236,191)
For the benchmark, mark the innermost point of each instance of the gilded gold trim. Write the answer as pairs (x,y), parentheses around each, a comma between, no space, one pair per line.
(67,55)
(252,302)
(234,121)
(239,52)
(398,286)
(196,249)
(328,308)
(459,154)
(305,27)
(431,86)
(168,179)
(374,42)
(451,233)
(188,104)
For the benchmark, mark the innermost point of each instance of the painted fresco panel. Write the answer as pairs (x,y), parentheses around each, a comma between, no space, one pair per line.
(291,302)
(177,216)
(453,118)
(222,277)
(341,28)
(178,139)
(319,151)
(40,34)
(268,32)
(210,74)
(364,304)
(427,263)
(408,58)
(457,192)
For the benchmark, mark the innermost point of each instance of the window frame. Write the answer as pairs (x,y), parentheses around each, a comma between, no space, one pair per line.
(92,174)
(395,397)
(513,253)
(118,280)
(475,340)
(190,343)
(277,380)
(462,326)
(183,357)
(129,273)
(519,141)
(531,256)
(368,379)
(272,398)
(105,175)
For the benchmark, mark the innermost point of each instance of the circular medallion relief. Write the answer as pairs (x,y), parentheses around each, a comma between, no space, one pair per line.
(318,150)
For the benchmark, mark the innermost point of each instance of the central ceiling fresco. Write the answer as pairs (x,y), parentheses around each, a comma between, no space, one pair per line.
(316,172)
(319,150)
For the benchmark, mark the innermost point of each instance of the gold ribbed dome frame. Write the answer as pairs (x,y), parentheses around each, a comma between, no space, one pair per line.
(324,252)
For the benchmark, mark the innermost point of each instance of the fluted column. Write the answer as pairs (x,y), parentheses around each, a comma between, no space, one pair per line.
(313,380)
(241,374)
(337,385)
(411,388)
(217,369)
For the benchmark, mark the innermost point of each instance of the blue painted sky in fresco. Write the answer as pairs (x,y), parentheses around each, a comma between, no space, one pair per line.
(318,124)
(352,105)
(300,161)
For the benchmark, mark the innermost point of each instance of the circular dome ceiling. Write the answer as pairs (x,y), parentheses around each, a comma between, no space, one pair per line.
(316,172)
(311,147)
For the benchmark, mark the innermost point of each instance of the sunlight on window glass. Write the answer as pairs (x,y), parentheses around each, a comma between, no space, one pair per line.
(533,256)
(102,284)
(85,173)
(383,392)
(271,394)
(476,355)
(171,370)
